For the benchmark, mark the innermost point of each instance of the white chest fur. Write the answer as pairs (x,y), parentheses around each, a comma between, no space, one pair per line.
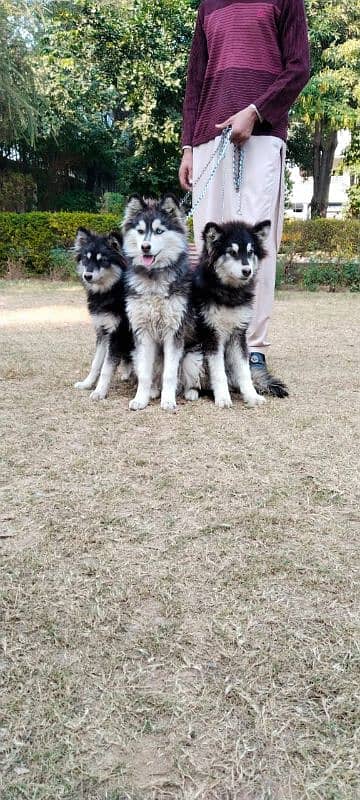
(156,315)
(225,320)
(106,320)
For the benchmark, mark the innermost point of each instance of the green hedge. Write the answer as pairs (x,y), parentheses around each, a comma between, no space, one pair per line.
(31,239)
(332,237)
(312,273)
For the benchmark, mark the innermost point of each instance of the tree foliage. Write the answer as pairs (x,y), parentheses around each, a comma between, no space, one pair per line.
(100,84)
(116,75)
(17,92)
(331,100)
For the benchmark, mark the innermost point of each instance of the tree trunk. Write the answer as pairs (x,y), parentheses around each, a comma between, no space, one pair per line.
(325,142)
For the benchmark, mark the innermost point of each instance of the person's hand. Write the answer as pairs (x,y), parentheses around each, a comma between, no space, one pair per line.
(242,125)
(186,170)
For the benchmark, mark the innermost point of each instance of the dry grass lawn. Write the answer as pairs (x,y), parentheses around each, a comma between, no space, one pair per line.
(180,593)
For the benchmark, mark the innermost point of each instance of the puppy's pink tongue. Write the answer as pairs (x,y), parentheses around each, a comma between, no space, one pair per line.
(148,260)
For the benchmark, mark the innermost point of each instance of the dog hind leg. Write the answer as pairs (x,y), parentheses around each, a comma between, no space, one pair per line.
(190,374)
(125,369)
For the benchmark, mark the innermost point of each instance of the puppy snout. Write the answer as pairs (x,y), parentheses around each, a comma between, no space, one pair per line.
(145,246)
(246,271)
(88,276)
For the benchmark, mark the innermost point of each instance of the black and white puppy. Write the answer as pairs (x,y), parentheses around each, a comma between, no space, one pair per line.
(101,265)
(157,292)
(222,298)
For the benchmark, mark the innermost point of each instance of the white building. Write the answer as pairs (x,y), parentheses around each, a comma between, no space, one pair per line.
(302,190)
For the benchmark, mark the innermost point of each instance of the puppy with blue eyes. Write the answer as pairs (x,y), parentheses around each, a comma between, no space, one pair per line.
(101,264)
(222,297)
(157,293)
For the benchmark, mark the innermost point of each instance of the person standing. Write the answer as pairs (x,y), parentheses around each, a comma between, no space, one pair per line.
(249,61)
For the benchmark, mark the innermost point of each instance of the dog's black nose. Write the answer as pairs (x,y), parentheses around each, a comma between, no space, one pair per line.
(246,271)
(145,247)
(88,276)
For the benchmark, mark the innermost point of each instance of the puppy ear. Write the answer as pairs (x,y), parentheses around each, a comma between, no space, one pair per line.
(261,230)
(115,240)
(211,233)
(134,206)
(170,204)
(82,237)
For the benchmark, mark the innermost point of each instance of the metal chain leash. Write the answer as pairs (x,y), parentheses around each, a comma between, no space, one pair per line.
(218,154)
(213,154)
(238,171)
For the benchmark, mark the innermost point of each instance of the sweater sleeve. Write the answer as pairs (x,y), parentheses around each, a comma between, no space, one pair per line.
(195,78)
(279,97)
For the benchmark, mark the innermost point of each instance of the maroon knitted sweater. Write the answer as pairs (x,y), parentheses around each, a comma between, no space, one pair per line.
(243,52)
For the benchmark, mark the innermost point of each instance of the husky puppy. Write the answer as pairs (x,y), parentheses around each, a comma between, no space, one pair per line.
(157,292)
(222,297)
(101,265)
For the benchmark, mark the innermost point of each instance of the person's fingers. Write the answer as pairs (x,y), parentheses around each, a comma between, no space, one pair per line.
(237,138)
(182,181)
(222,125)
(190,176)
(184,177)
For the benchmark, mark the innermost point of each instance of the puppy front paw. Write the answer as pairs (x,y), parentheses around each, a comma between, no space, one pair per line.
(125,372)
(83,385)
(154,392)
(223,401)
(191,394)
(253,400)
(97,394)
(136,404)
(168,404)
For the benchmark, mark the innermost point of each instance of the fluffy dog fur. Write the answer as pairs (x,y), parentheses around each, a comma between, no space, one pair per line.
(101,265)
(223,289)
(158,288)
(266,383)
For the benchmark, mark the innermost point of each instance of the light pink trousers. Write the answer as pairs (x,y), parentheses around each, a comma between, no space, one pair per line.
(261,197)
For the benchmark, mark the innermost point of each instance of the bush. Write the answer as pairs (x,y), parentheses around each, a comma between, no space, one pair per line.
(332,237)
(334,276)
(62,264)
(31,238)
(353,208)
(39,240)
(75,200)
(112,203)
(351,273)
(311,274)
(18,192)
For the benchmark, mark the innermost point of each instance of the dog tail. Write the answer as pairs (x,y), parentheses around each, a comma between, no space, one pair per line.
(265,383)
